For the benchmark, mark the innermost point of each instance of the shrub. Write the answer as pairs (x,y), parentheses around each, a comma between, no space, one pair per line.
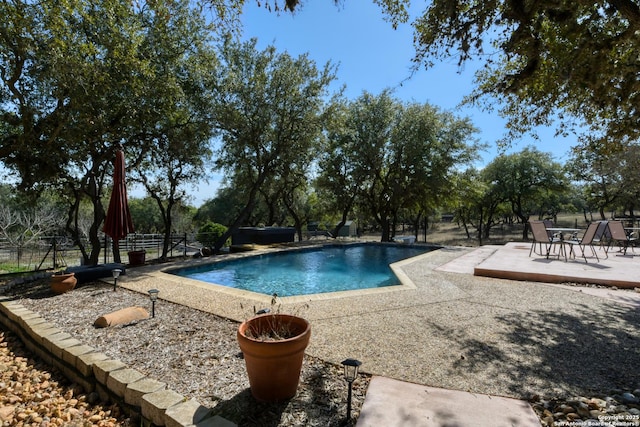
(209,232)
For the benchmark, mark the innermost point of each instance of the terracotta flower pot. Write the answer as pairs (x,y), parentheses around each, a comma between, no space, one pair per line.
(61,283)
(273,365)
(137,257)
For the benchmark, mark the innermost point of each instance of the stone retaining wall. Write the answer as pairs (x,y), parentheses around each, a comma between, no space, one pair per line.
(137,394)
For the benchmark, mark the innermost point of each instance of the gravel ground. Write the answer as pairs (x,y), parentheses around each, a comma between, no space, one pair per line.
(33,394)
(195,353)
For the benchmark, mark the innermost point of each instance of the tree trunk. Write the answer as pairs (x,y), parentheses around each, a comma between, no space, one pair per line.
(480,225)
(242,216)
(486,231)
(94,237)
(416,226)
(393,227)
(525,231)
(466,229)
(72,225)
(386,232)
(425,229)
(166,240)
(343,221)
(297,221)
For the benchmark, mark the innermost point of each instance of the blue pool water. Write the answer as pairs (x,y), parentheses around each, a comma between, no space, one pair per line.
(330,269)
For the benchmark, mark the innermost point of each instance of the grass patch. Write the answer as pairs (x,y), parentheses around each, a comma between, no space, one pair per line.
(10,268)
(452,234)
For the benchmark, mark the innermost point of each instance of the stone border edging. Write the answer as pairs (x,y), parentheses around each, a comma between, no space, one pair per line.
(113,380)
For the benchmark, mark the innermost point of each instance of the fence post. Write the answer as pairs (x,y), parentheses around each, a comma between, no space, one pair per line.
(19,250)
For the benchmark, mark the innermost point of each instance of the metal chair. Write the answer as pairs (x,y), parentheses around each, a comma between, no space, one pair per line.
(620,236)
(587,240)
(603,236)
(541,236)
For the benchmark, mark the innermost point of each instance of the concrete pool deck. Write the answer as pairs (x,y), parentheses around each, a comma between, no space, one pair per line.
(454,337)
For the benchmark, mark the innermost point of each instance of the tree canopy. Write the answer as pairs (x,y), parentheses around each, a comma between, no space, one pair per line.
(392,158)
(269,112)
(80,77)
(525,180)
(574,60)
(568,63)
(610,178)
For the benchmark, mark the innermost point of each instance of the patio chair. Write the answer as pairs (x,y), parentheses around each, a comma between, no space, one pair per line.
(587,240)
(620,236)
(548,223)
(541,237)
(603,237)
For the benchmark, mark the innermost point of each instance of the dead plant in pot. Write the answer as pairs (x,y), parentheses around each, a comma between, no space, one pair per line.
(273,345)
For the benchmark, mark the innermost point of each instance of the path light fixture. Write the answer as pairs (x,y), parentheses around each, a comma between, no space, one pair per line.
(115,273)
(153,295)
(350,374)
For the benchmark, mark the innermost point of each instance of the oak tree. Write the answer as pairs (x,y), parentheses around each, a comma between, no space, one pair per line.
(269,112)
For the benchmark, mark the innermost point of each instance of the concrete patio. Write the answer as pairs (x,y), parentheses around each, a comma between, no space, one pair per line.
(512,261)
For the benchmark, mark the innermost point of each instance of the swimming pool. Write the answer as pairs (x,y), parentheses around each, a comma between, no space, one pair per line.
(312,271)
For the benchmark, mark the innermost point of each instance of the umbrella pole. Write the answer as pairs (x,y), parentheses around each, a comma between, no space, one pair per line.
(116,251)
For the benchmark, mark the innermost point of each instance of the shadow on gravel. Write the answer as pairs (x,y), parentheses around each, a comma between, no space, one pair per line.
(36,289)
(329,404)
(585,351)
(41,288)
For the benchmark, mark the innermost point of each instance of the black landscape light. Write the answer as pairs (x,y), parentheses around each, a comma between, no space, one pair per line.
(153,295)
(115,273)
(350,374)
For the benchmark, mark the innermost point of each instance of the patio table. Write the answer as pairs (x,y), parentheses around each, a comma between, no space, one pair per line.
(562,230)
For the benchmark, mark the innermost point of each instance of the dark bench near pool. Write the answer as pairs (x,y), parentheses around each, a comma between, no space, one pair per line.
(90,273)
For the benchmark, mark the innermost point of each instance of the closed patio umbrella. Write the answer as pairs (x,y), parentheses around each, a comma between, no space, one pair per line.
(118,222)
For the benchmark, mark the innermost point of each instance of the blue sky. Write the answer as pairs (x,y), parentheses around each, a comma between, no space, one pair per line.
(372,56)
